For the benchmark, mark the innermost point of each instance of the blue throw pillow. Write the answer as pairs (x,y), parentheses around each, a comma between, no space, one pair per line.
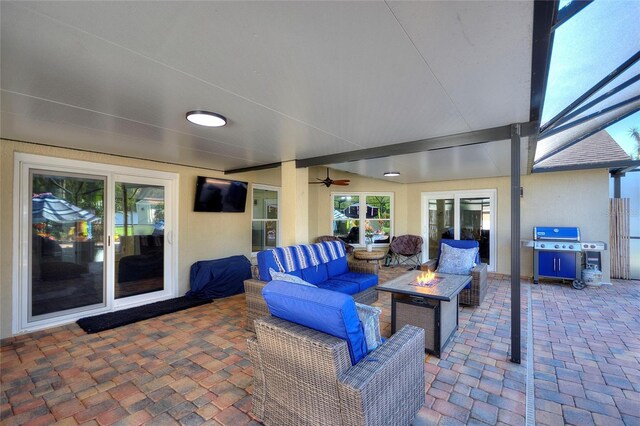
(456,260)
(322,310)
(281,276)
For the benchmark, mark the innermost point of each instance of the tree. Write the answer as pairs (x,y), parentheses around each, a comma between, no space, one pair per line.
(634,132)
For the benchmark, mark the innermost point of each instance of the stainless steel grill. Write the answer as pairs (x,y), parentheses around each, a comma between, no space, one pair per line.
(558,253)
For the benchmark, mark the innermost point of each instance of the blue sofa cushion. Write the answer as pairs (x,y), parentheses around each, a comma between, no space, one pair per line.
(326,311)
(364,281)
(337,267)
(315,274)
(346,287)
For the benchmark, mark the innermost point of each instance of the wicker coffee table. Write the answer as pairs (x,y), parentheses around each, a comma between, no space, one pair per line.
(433,307)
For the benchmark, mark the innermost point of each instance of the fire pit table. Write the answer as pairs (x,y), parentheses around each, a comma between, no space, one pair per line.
(430,303)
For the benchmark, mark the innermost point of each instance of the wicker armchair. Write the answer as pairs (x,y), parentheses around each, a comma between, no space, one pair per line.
(305,377)
(257,307)
(469,296)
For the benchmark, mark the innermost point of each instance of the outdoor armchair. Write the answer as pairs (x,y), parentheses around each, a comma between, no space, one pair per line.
(305,377)
(405,249)
(476,291)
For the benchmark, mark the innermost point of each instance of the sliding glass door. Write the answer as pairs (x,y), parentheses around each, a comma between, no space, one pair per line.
(67,243)
(138,238)
(460,215)
(91,238)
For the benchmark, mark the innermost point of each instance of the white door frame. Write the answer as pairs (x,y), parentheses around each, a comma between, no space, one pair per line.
(492,194)
(23,163)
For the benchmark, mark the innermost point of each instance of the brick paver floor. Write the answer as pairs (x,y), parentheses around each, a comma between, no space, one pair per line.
(191,367)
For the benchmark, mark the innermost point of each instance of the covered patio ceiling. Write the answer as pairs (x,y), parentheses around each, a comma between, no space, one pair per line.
(313,81)
(296,80)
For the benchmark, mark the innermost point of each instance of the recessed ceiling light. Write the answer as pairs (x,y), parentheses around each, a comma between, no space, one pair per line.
(206,118)
(391,174)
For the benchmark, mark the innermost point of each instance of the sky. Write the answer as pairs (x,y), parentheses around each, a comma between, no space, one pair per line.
(620,132)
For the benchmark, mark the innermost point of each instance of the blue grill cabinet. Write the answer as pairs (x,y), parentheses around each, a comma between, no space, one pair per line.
(556,264)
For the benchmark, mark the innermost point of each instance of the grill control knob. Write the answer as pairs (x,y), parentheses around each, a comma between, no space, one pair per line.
(571,247)
(557,246)
(541,245)
(564,246)
(585,246)
(593,246)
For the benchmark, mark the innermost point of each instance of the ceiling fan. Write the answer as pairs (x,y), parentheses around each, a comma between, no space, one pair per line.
(328,181)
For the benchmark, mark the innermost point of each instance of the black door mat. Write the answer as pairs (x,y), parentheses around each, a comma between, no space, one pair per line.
(111,320)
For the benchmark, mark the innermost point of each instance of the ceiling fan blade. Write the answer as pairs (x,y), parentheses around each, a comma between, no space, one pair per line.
(316,182)
(341,181)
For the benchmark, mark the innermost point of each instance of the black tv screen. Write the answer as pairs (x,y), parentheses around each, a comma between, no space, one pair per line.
(220,195)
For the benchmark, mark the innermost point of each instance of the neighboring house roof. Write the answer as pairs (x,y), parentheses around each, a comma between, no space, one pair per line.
(597,148)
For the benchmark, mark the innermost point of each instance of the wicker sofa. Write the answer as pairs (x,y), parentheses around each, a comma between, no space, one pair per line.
(305,376)
(475,292)
(256,306)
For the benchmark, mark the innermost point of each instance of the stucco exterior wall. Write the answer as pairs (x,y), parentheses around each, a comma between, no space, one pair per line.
(578,198)
(201,235)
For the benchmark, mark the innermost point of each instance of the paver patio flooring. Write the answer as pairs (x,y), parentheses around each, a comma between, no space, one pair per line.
(192,367)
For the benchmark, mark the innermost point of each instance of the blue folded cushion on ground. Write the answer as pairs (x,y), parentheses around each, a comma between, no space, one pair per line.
(337,267)
(323,310)
(346,287)
(364,281)
(315,274)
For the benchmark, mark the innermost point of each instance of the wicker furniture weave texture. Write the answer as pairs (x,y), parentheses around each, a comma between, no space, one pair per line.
(257,307)
(305,377)
(469,296)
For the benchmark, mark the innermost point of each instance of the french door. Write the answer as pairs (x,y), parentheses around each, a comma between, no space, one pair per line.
(92,238)
(460,215)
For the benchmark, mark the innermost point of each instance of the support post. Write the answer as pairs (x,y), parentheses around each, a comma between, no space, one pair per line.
(515,244)
(294,207)
(616,184)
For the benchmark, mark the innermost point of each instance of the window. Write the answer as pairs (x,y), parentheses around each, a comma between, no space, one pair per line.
(265,232)
(374,210)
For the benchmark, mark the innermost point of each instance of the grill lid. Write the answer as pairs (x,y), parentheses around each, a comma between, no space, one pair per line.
(550,233)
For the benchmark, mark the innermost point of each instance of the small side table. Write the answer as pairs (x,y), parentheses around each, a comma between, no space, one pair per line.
(370,256)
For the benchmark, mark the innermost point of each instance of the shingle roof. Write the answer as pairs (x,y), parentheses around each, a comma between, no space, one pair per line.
(597,148)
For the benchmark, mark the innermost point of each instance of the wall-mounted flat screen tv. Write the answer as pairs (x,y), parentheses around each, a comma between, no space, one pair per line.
(220,195)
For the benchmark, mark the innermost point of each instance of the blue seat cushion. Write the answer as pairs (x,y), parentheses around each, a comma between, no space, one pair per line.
(315,274)
(364,281)
(337,267)
(322,310)
(346,287)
